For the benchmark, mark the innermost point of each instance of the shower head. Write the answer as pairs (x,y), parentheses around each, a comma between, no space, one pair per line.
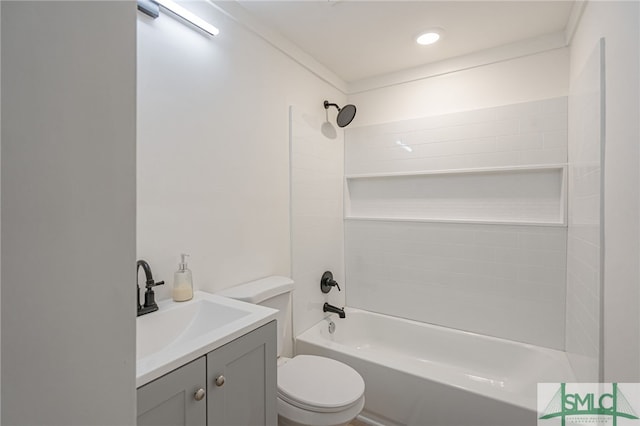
(345,114)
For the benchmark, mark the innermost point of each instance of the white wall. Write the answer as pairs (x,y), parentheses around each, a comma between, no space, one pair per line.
(0,216)
(317,236)
(68,213)
(213,154)
(618,23)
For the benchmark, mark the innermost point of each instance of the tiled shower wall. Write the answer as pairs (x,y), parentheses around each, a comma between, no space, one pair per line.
(504,280)
(584,232)
(518,134)
(317,246)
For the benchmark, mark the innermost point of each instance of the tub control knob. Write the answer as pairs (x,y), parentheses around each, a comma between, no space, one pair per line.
(327,282)
(220,380)
(199,395)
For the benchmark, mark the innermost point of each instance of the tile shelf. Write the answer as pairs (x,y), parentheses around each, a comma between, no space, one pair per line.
(459,171)
(531,195)
(458,221)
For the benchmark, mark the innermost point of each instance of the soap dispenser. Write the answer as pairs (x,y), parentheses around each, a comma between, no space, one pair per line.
(182,282)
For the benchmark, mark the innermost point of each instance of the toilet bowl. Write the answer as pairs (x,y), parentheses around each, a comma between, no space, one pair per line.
(312,390)
(318,391)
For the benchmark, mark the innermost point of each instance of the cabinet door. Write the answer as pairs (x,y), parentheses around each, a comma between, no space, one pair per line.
(242,380)
(171,399)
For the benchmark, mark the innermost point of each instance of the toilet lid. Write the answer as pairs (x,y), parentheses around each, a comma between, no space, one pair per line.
(319,384)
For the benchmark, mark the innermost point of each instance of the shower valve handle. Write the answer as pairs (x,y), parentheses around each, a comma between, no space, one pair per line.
(327,282)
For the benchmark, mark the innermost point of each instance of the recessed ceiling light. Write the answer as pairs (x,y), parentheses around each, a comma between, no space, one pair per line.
(429,37)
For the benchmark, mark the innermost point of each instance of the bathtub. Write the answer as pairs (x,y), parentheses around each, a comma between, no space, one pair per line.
(419,374)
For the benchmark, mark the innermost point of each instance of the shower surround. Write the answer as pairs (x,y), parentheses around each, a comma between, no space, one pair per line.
(455,248)
(459,220)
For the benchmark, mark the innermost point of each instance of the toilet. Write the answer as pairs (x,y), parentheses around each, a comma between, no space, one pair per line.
(312,390)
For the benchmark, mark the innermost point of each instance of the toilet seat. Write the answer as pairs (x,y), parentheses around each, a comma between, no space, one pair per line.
(319,384)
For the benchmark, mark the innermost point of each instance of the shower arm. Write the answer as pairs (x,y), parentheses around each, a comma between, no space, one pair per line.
(327,105)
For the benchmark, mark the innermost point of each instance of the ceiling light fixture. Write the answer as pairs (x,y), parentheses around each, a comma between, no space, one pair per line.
(429,37)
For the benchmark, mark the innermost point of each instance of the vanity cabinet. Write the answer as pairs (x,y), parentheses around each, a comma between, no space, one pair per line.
(171,399)
(241,380)
(236,383)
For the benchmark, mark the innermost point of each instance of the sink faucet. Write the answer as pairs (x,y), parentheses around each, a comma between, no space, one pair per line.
(330,308)
(150,304)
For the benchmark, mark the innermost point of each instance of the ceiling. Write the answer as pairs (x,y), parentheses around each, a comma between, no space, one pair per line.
(362,39)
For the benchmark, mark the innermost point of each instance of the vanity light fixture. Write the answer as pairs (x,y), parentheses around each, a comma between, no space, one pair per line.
(429,37)
(150,7)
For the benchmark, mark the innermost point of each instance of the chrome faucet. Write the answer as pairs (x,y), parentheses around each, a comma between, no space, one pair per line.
(330,308)
(150,304)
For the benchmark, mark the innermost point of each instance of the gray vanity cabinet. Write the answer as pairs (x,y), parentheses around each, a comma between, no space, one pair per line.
(171,399)
(234,385)
(241,378)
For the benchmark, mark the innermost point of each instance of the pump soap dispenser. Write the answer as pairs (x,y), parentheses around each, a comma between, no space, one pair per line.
(182,282)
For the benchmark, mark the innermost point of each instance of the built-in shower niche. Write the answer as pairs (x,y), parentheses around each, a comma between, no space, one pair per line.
(527,195)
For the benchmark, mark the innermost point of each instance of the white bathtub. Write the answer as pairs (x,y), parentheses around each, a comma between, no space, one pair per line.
(423,375)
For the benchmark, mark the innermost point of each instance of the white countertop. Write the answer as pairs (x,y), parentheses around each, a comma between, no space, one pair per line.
(180,332)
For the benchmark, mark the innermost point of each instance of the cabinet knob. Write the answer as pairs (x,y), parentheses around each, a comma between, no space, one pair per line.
(220,380)
(199,395)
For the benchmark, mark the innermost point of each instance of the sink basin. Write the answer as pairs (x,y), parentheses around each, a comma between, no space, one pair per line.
(180,332)
(180,324)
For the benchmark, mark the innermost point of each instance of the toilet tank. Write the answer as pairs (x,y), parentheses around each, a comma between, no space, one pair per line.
(272,292)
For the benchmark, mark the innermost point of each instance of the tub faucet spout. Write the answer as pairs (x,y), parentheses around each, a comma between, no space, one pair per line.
(330,308)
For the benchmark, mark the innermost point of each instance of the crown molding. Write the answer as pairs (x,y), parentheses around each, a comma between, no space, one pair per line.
(234,10)
(476,59)
(241,16)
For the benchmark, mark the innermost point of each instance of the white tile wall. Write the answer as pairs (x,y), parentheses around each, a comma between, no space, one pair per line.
(505,281)
(526,133)
(501,280)
(317,237)
(584,245)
